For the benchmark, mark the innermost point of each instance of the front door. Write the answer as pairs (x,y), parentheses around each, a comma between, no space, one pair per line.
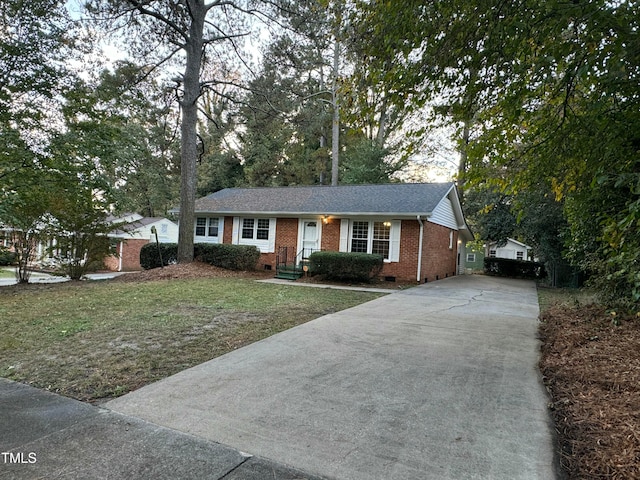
(310,238)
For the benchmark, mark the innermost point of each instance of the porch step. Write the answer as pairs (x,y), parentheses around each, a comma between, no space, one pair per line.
(289,273)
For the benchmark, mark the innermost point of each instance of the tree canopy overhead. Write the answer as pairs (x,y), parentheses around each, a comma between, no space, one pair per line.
(550,94)
(182,34)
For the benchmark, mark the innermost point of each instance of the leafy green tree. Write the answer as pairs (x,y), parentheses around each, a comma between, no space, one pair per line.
(550,95)
(36,37)
(119,117)
(181,33)
(24,211)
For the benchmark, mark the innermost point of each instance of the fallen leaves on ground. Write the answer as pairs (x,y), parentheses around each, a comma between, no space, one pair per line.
(591,366)
(189,270)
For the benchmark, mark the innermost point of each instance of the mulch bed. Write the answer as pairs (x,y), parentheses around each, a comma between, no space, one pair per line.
(187,271)
(591,366)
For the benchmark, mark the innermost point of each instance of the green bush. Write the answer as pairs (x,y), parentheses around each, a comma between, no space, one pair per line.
(150,256)
(345,266)
(507,267)
(7,257)
(231,257)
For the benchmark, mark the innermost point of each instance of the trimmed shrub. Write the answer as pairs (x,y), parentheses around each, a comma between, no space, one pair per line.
(150,258)
(7,257)
(507,267)
(346,266)
(231,257)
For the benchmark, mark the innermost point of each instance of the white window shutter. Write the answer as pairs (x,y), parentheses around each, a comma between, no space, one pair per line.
(272,235)
(344,235)
(221,230)
(394,247)
(235,233)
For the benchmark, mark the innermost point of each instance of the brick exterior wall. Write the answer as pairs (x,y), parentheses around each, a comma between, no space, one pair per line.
(406,269)
(438,260)
(130,256)
(227,235)
(330,235)
(286,236)
(111,262)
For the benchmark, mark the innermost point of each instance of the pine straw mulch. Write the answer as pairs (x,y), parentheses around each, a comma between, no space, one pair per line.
(591,366)
(189,271)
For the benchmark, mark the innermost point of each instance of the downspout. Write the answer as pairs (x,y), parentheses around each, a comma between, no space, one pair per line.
(420,249)
(120,255)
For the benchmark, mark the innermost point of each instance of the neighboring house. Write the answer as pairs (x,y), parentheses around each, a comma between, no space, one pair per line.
(474,259)
(417,228)
(133,235)
(512,249)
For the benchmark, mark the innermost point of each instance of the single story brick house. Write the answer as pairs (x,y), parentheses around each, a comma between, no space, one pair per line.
(418,228)
(133,233)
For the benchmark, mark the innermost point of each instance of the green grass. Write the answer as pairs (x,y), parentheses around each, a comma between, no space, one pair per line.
(98,340)
(7,273)
(565,297)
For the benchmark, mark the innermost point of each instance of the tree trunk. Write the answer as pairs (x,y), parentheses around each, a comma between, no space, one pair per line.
(188,130)
(335,132)
(464,155)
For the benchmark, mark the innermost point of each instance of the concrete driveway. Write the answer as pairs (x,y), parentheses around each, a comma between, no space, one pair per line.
(434,382)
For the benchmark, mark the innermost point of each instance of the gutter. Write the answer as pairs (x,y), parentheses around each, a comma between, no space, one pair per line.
(419,275)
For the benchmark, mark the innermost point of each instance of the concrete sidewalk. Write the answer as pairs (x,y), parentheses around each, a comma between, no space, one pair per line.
(38,277)
(434,382)
(46,436)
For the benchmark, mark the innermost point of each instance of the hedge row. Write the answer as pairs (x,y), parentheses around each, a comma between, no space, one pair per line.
(345,266)
(506,267)
(231,257)
(7,257)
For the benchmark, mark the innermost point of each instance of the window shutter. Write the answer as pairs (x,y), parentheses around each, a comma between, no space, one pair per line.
(394,246)
(272,235)
(221,230)
(344,235)
(235,233)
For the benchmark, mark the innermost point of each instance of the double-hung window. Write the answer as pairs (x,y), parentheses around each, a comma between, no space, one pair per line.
(371,237)
(207,227)
(255,229)
(360,237)
(381,238)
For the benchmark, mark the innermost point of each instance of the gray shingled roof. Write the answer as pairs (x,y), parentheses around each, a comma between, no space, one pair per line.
(396,198)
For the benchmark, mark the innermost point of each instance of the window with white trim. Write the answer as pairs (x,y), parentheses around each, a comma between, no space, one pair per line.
(519,255)
(381,238)
(207,226)
(492,253)
(471,257)
(371,237)
(255,229)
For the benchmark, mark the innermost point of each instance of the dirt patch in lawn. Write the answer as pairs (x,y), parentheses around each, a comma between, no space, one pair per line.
(591,366)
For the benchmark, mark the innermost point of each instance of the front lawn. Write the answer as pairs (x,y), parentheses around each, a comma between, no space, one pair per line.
(93,341)
(7,273)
